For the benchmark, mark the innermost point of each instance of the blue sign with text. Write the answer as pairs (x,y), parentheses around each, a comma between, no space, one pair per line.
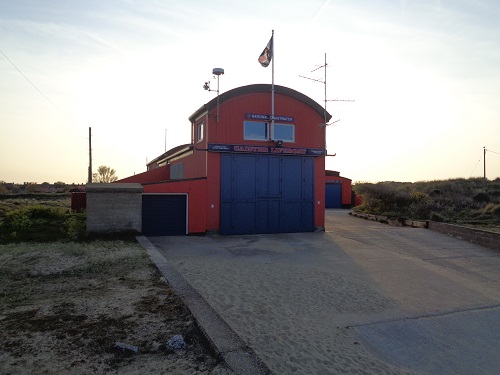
(258,116)
(246,149)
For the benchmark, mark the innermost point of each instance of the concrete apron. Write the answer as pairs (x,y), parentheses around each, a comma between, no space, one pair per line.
(418,300)
(227,345)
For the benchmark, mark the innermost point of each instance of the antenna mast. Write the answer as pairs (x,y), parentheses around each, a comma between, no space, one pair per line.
(324,82)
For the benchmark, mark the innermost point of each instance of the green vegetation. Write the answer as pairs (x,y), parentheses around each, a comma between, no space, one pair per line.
(39,218)
(472,202)
(33,187)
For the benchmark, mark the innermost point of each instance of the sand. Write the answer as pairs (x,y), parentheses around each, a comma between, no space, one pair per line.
(360,298)
(64,306)
(292,313)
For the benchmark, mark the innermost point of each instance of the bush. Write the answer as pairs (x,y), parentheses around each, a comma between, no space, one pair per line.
(76,226)
(481,197)
(382,198)
(455,199)
(42,224)
(436,217)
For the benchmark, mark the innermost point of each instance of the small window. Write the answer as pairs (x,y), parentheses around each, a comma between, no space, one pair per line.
(199,132)
(284,132)
(257,131)
(177,171)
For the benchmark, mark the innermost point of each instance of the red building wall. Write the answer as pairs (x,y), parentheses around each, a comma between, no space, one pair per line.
(309,131)
(213,191)
(319,193)
(154,175)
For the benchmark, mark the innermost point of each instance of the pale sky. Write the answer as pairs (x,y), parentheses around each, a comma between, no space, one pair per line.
(424,74)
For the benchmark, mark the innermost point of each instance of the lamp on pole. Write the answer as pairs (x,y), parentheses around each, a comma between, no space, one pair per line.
(218,72)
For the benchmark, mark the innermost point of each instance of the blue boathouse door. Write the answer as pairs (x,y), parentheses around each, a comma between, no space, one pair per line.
(333,195)
(266,194)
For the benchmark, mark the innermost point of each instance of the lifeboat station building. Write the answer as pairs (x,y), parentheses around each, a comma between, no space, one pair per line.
(242,173)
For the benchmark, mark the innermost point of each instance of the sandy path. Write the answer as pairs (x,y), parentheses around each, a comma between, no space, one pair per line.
(285,308)
(350,301)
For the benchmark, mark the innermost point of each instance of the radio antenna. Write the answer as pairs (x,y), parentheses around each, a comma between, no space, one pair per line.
(323,81)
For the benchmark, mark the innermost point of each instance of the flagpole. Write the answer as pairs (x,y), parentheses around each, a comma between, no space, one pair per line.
(272,86)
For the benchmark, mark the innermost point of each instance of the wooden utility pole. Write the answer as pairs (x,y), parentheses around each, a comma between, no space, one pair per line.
(484,161)
(90,156)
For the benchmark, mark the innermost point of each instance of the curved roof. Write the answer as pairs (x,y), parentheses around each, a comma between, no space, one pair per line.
(172,152)
(261,87)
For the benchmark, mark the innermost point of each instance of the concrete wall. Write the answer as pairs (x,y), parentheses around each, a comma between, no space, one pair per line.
(476,236)
(114,208)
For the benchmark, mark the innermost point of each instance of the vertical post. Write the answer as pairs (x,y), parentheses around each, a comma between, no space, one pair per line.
(272,87)
(325,95)
(218,75)
(484,161)
(90,155)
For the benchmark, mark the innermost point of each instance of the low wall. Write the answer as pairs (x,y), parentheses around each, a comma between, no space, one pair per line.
(479,237)
(114,208)
(393,222)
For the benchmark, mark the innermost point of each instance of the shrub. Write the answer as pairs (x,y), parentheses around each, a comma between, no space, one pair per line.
(20,221)
(454,199)
(481,197)
(76,226)
(35,223)
(436,217)
(383,197)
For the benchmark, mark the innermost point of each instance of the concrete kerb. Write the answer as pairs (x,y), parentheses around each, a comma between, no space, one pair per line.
(227,345)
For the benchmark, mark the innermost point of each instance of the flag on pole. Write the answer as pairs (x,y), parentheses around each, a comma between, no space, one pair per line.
(266,55)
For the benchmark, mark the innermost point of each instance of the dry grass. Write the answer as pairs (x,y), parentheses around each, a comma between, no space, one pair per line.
(64,306)
(473,202)
(13,202)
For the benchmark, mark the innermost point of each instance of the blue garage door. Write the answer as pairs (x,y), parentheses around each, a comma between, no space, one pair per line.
(164,214)
(266,194)
(333,195)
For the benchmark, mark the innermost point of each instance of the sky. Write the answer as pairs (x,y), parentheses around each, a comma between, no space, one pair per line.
(424,76)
